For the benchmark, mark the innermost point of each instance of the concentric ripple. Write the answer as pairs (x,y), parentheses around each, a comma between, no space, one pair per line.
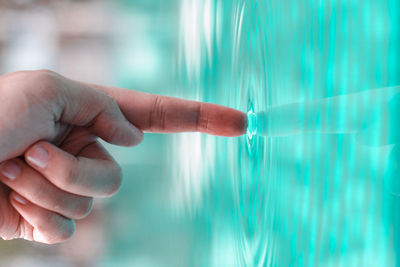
(251,183)
(224,59)
(310,199)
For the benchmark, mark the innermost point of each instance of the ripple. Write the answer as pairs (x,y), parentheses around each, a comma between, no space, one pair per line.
(236,75)
(296,199)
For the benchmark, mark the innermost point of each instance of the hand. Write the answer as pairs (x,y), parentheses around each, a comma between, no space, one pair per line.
(53,187)
(55,121)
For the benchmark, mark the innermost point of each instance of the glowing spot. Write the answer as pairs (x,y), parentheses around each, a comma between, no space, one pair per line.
(252,123)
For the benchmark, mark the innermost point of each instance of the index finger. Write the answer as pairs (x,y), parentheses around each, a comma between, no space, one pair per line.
(163,114)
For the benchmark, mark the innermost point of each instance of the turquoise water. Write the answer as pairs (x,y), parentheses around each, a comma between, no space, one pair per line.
(314,182)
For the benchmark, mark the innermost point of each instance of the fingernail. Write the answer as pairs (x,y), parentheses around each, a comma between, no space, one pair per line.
(10,169)
(39,156)
(20,199)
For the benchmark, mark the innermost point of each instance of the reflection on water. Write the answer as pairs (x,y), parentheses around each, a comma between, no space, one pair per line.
(300,189)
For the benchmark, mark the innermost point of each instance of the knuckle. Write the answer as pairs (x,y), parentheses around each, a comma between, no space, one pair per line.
(43,72)
(46,77)
(46,85)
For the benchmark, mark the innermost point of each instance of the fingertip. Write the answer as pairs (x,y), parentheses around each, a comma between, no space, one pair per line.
(66,230)
(39,154)
(47,227)
(241,124)
(228,123)
(129,136)
(137,136)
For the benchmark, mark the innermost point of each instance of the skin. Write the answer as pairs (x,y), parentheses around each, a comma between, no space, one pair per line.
(44,111)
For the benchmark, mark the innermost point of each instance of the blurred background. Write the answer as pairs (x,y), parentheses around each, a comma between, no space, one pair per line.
(195,200)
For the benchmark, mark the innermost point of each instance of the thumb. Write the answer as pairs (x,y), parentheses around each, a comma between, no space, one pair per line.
(85,106)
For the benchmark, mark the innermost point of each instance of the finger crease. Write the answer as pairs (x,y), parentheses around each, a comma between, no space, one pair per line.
(94,142)
(157,114)
(202,122)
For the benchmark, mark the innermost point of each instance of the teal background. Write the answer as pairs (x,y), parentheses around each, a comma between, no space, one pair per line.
(326,195)
(314,182)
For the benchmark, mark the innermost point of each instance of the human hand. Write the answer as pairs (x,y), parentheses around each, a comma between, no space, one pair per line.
(40,200)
